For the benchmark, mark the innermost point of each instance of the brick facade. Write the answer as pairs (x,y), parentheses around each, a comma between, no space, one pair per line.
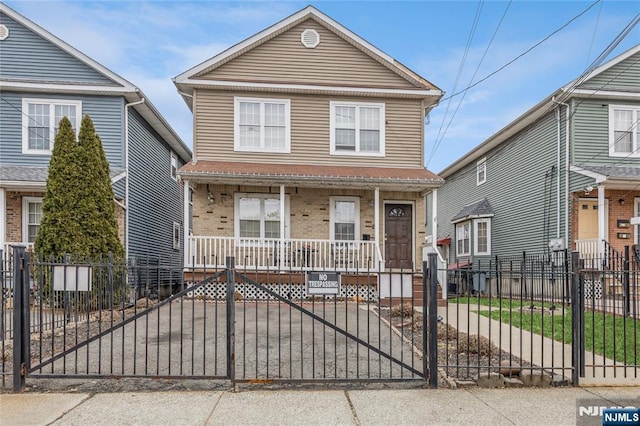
(14,215)
(621,207)
(213,211)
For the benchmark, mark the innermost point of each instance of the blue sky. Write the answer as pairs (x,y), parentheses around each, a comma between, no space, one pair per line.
(148,43)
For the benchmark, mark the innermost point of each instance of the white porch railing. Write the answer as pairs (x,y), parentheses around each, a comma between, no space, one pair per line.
(271,254)
(591,252)
(442,268)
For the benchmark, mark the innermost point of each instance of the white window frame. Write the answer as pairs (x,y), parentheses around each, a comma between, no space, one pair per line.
(236,217)
(25,216)
(476,222)
(262,148)
(52,124)
(481,167)
(174,166)
(176,233)
(459,225)
(332,217)
(357,105)
(635,131)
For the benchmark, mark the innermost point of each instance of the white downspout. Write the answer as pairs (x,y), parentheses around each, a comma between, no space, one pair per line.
(3,219)
(376,222)
(601,219)
(558,204)
(566,177)
(283,219)
(434,219)
(126,177)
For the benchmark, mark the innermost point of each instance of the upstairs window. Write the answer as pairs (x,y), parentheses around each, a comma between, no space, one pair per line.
(357,129)
(262,125)
(481,171)
(624,131)
(40,120)
(174,166)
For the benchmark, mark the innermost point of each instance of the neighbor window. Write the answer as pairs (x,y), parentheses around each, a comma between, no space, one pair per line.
(345,218)
(482,236)
(624,131)
(40,120)
(262,125)
(463,239)
(174,166)
(31,218)
(481,171)
(176,236)
(357,129)
(258,216)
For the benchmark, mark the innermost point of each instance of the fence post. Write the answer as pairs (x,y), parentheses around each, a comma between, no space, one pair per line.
(20,329)
(626,283)
(433,319)
(576,323)
(231,336)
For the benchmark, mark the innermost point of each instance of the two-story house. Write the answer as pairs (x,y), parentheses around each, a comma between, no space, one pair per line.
(42,79)
(565,174)
(308,152)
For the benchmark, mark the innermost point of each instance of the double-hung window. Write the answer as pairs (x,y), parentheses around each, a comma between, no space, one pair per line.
(262,125)
(624,131)
(174,166)
(31,218)
(258,216)
(463,239)
(357,129)
(482,237)
(345,218)
(481,171)
(40,120)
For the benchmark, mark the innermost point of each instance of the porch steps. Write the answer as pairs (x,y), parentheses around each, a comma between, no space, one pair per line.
(417,295)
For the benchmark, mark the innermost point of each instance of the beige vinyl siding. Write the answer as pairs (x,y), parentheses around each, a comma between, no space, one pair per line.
(309,131)
(284,59)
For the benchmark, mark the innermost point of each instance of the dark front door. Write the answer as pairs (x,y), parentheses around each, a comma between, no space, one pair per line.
(398,236)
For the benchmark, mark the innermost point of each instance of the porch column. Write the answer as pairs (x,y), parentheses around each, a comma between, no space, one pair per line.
(3,219)
(186,244)
(376,220)
(434,219)
(602,226)
(282,227)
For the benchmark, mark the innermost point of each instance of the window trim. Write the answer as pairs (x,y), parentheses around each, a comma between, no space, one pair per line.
(25,216)
(332,217)
(262,148)
(357,105)
(52,103)
(236,217)
(635,136)
(475,236)
(174,166)
(460,225)
(176,232)
(481,163)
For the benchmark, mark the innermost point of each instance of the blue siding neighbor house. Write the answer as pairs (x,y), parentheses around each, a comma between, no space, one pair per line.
(565,174)
(42,79)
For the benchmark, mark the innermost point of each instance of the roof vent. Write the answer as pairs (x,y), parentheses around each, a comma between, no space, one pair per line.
(310,38)
(4,32)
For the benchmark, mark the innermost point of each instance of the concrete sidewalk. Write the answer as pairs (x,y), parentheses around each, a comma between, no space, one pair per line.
(526,406)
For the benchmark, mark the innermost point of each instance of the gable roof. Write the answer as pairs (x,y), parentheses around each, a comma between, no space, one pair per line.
(122,86)
(562,94)
(189,78)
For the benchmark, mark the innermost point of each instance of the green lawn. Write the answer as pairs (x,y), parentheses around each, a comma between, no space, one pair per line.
(604,333)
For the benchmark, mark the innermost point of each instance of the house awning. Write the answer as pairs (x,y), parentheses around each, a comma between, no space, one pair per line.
(305,175)
(480,208)
(446,241)
(22,177)
(615,177)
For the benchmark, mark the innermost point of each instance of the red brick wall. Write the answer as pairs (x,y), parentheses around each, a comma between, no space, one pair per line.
(14,213)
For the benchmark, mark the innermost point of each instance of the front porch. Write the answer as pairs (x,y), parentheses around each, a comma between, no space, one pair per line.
(283,254)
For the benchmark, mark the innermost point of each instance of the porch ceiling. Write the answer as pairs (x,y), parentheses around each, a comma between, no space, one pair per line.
(313,176)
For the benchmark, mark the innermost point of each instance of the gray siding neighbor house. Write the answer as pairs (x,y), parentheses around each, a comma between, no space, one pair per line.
(42,79)
(565,174)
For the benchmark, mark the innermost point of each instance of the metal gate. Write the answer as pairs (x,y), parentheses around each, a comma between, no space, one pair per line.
(84,319)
